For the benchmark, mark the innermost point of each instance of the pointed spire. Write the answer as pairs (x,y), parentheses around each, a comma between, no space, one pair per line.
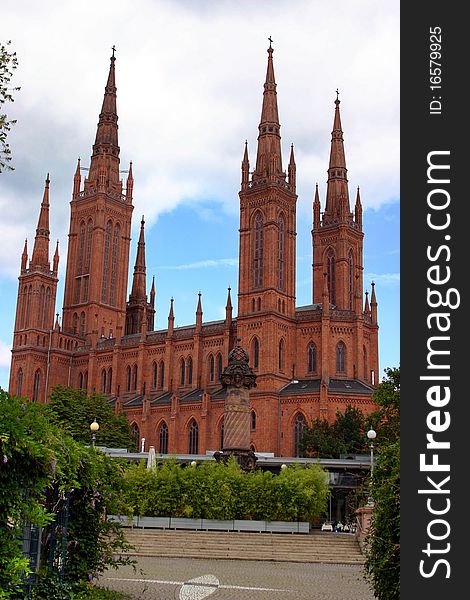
(358,210)
(171,319)
(77,180)
(337,198)
(316,209)
(56,325)
(24,257)
(152,293)
(373,305)
(199,312)
(129,185)
(40,256)
(228,308)
(292,169)
(245,168)
(269,160)
(55,263)
(139,287)
(104,166)
(366,305)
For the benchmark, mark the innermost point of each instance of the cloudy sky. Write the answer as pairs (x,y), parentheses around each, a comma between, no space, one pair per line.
(190,78)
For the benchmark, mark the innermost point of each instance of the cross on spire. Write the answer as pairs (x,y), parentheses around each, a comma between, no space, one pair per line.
(113,49)
(270,41)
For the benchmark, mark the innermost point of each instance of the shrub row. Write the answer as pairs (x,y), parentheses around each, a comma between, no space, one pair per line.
(218,491)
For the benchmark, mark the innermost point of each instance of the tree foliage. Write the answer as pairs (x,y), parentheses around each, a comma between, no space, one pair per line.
(74,410)
(346,435)
(8,63)
(41,468)
(218,491)
(383,541)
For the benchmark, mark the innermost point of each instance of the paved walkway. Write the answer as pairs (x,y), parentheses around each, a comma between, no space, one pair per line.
(195,579)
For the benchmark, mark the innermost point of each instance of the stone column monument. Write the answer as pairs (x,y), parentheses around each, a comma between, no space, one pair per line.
(238,377)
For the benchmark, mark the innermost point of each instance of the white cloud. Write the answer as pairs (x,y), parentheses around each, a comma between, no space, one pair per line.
(203,264)
(189,79)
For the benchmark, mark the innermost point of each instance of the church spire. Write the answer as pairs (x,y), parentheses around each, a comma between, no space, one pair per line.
(358,210)
(24,257)
(40,256)
(228,308)
(245,168)
(316,209)
(139,286)
(268,160)
(337,196)
(104,166)
(55,263)
(292,169)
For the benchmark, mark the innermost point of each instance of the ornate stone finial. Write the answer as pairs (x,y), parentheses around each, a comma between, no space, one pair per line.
(238,372)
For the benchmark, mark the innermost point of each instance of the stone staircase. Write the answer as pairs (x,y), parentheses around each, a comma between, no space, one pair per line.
(315,547)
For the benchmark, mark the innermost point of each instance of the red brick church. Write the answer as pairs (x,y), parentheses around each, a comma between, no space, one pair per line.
(310,360)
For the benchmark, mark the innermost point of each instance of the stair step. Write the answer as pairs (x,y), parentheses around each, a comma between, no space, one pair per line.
(305,548)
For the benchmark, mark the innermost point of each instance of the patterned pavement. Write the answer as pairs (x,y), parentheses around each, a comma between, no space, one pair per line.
(196,579)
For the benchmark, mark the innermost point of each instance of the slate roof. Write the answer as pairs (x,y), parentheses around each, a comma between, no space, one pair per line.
(344,386)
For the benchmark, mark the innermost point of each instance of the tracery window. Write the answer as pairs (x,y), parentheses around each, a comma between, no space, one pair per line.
(312,358)
(193,432)
(258,251)
(300,424)
(163,438)
(340,357)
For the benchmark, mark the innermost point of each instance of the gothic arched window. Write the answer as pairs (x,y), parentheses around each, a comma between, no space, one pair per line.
(154,374)
(253,420)
(193,435)
(190,371)
(81,248)
(19,383)
(80,380)
(300,424)
(281,355)
(47,304)
(330,270)
(128,378)
(162,374)
(280,253)
(219,366)
(103,381)
(110,379)
(41,306)
(89,236)
(134,377)
(340,357)
(312,358)
(255,353)
(182,371)
(163,438)
(351,280)
(112,287)
(258,251)
(107,246)
(211,368)
(36,385)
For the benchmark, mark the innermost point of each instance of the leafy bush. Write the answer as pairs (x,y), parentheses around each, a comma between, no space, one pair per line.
(218,491)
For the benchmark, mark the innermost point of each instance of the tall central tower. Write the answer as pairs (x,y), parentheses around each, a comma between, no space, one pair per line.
(267,243)
(99,235)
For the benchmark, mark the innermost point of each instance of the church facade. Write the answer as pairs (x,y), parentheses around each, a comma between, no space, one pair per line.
(310,361)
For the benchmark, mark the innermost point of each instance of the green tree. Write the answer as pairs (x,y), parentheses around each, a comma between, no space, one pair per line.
(319,439)
(40,467)
(349,428)
(383,541)
(74,410)
(8,63)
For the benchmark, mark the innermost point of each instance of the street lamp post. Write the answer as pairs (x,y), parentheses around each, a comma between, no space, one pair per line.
(94,428)
(371,434)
